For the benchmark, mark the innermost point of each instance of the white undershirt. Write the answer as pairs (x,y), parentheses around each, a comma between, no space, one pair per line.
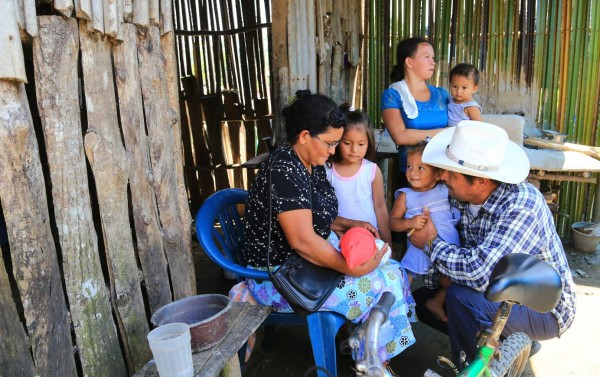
(474,209)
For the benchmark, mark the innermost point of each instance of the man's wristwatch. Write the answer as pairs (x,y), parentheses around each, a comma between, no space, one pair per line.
(428,247)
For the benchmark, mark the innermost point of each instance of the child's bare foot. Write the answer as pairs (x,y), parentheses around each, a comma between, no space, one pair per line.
(437,310)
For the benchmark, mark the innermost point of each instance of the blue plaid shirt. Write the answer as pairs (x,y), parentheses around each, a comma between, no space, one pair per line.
(514,219)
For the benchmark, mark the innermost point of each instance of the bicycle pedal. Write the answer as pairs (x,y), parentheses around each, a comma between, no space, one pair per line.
(535,347)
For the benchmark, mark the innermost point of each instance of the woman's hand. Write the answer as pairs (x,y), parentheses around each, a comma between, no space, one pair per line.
(341,225)
(367,226)
(369,265)
(392,118)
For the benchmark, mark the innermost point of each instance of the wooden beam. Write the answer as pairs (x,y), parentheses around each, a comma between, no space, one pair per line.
(56,54)
(561,178)
(108,160)
(160,119)
(33,254)
(167,45)
(548,144)
(15,358)
(150,246)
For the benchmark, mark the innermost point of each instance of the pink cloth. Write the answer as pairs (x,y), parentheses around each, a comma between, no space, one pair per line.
(241,293)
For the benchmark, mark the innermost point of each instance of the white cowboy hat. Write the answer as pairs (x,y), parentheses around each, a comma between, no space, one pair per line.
(478,149)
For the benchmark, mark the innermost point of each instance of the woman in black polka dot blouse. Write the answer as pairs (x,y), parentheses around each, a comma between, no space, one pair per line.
(304,213)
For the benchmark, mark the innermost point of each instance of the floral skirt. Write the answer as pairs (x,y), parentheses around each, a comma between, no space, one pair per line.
(354,299)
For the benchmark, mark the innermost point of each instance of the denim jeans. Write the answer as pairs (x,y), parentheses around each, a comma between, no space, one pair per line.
(469,313)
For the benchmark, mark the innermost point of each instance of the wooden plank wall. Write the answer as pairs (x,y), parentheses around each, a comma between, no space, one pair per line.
(89,139)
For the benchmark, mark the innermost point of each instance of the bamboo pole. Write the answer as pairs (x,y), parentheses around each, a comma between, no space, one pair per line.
(31,25)
(127,9)
(141,12)
(311,53)
(166,16)
(560,119)
(12,64)
(97,23)
(18,6)
(154,11)
(64,7)
(111,20)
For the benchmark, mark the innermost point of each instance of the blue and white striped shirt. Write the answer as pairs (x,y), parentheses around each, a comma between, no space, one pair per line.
(514,219)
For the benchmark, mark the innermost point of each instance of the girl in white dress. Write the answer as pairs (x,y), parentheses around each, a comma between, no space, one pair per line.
(356,178)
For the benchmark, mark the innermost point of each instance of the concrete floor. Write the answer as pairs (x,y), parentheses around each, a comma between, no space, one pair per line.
(571,355)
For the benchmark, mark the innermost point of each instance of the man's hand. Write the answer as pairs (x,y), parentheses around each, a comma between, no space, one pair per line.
(421,236)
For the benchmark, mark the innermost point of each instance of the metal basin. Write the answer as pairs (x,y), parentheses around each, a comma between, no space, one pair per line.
(206,315)
(586,236)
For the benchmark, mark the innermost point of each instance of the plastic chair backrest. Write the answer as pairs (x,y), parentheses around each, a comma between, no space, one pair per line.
(224,246)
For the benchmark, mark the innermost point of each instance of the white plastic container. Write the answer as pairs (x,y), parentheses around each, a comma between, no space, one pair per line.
(172,350)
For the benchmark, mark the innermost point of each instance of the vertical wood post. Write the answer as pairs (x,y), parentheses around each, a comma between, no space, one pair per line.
(106,155)
(56,54)
(145,211)
(15,358)
(35,266)
(167,45)
(160,120)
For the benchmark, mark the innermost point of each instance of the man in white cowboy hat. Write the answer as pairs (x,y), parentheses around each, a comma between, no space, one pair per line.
(500,214)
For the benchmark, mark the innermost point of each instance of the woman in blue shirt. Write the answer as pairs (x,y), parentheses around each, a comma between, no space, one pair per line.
(411,108)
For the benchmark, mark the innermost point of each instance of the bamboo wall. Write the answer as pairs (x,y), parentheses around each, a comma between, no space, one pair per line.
(240,61)
(223,57)
(91,184)
(318,46)
(536,58)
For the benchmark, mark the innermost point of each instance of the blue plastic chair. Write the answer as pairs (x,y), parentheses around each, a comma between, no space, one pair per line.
(224,248)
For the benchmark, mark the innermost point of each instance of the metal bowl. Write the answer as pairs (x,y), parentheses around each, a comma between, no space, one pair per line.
(586,236)
(555,136)
(206,315)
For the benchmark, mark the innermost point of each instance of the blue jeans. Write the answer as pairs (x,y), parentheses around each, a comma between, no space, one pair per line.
(469,313)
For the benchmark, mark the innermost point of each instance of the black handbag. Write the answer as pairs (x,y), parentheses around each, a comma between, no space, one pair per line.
(304,285)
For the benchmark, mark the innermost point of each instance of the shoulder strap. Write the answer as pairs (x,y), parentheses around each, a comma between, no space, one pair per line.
(271,212)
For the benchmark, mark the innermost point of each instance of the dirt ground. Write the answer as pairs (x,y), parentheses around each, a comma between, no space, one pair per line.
(571,355)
